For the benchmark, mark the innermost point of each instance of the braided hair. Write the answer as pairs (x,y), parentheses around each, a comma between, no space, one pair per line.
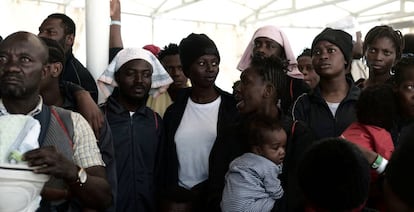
(272,70)
(385,31)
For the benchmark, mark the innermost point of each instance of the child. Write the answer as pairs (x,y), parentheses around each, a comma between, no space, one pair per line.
(375,109)
(305,66)
(252,182)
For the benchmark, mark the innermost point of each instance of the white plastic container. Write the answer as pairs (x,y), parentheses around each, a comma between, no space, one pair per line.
(20,188)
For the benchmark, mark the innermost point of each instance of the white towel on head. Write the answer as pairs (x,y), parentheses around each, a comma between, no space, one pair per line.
(160,77)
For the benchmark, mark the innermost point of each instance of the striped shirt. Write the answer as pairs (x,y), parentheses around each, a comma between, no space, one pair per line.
(251,184)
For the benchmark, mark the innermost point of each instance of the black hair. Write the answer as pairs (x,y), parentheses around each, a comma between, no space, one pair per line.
(1,38)
(398,174)
(377,106)
(401,67)
(171,49)
(256,127)
(56,52)
(68,23)
(273,70)
(408,43)
(334,175)
(307,52)
(388,32)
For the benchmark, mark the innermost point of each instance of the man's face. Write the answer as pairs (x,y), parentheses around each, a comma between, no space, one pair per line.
(134,79)
(53,28)
(267,47)
(22,59)
(173,66)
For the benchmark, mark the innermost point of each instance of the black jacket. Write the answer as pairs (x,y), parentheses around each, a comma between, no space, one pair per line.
(138,143)
(75,72)
(313,110)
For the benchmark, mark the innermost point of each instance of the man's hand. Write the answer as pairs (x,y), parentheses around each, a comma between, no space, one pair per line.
(115,12)
(48,160)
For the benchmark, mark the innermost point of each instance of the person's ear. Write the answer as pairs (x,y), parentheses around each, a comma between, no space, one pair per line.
(269,91)
(70,40)
(45,69)
(56,69)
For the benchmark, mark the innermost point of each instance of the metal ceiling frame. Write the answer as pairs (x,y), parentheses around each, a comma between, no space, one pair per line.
(258,15)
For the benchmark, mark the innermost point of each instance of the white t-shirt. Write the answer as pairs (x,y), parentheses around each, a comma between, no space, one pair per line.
(333,107)
(194,139)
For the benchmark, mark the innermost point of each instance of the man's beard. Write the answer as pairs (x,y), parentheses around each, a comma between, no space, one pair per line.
(12,92)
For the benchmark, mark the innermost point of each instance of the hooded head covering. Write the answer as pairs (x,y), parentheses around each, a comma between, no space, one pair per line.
(279,36)
(195,46)
(339,38)
(160,78)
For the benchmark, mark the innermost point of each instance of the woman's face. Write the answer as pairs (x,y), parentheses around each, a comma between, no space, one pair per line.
(380,56)
(203,71)
(328,60)
(405,92)
(267,47)
(252,88)
(305,66)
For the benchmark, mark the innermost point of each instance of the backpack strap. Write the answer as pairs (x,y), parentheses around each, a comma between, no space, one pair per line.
(291,89)
(44,118)
(59,120)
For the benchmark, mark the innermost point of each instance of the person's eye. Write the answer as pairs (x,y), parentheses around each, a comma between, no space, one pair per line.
(317,52)
(25,59)
(331,50)
(410,87)
(372,50)
(201,63)
(215,63)
(3,59)
(147,74)
(387,53)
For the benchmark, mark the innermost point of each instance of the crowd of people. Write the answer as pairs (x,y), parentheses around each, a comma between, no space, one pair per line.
(298,133)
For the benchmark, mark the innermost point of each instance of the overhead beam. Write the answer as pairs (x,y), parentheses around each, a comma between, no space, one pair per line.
(255,12)
(372,7)
(293,11)
(184,4)
(156,10)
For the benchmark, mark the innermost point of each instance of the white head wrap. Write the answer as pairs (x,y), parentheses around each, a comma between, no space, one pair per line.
(160,78)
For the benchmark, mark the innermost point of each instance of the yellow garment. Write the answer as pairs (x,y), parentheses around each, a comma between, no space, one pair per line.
(160,103)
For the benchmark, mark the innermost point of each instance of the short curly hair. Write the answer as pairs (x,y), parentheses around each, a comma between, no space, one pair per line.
(334,175)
